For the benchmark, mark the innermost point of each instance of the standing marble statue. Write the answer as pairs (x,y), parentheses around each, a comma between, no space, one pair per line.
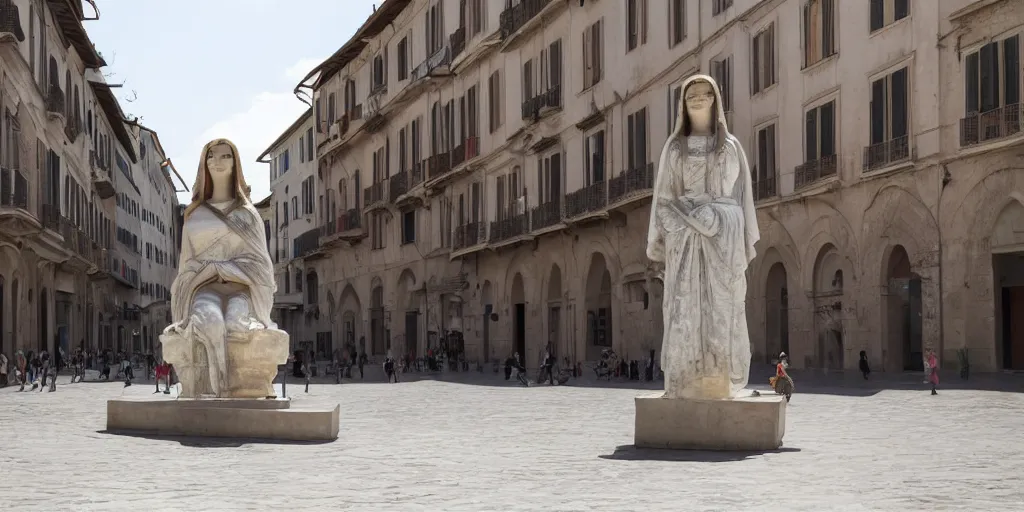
(222,341)
(703,229)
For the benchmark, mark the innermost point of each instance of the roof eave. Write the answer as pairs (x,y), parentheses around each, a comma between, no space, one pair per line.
(115,117)
(291,129)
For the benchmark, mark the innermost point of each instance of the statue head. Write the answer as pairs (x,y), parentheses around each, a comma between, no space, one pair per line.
(700,105)
(219,167)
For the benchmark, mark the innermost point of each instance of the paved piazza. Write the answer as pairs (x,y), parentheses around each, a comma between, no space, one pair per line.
(449,446)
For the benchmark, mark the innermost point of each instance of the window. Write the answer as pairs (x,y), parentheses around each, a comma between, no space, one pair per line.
(379,73)
(434,28)
(409,227)
(992,83)
(445,222)
(295,207)
(549,178)
(889,99)
(285,160)
(818,30)
(331,109)
(551,67)
(593,154)
(494,100)
(310,154)
(887,12)
(377,230)
(636,140)
(403,59)
(763,56)
(719,6)
(721,71)
(636,24)
(592,55)
(675,94)
(819,145)
(302,149)
(471,17)
(528,80)
(676,22)
(766,165)
(319,127)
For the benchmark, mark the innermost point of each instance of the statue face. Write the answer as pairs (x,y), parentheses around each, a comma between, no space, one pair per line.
(699,97)
(220,161)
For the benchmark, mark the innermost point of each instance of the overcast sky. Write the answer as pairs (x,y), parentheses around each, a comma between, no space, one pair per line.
(196,70)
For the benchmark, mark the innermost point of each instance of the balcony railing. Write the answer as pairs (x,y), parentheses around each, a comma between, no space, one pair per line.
(631,182)
(458,155)
(441,58)
(51,217)
(552,98)
(416,175)
(546,214)
(457,41)
(809,172)
(586,200)
(468,235)
(765,187)
(398,185)
(306,243)
(354,114)
(373,194)
(348,220)
(513,18)
(13,189)
(993,125)
(439,165)
(509,227)
(877,156)
(55,100)
(73,128)
(10,20)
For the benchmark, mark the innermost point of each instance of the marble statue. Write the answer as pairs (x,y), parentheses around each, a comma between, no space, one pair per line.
(222,341)
(703,229)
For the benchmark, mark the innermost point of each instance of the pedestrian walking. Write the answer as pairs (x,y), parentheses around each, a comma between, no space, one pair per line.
(865,369)
(3,370)
(932,364)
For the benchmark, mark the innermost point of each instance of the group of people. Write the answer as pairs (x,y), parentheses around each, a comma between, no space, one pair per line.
(32,368)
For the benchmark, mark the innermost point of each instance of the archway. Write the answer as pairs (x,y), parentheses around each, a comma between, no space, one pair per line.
(901,297)
(406,292)
(15,300)
(598,303)
(1008,284)
(554,341)
(828,307)
(518,300)
(377,338)
(487,305)
(351,321)
(776,315)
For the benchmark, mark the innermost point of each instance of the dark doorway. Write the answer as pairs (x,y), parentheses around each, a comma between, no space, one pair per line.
(1013,327)
(554,330)
(913,351)
(488,310)
(3,341)
(519,331)
(412,330)
(44,321)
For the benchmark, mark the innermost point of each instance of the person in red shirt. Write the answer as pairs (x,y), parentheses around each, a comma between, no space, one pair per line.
(163,371)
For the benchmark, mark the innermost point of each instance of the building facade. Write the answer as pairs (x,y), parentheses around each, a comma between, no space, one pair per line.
(66,148)
(487,166)
(293,240)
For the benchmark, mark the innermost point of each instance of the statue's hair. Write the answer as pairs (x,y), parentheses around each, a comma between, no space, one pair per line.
(202,190)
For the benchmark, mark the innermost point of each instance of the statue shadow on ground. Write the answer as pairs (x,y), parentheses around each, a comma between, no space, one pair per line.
(210,442)
(632,453)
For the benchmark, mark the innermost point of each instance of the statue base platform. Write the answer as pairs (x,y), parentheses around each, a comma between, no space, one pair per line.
(739,424)
(268,419)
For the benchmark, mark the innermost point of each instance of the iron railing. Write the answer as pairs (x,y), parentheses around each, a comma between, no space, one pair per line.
(765,187)
(457,41)
(546,214)
(398,185)
(877,156)
(55,100)
(993,125)
(373,194)
(552,98)
(306,243)
(51,217)
(630,183)
(513,18)
(439,59)
(439,165)
(469,234)
(509,227)
(13,189)
(586,200)
(809,172)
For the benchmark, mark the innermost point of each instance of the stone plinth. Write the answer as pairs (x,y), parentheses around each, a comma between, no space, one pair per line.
(252,362)
(271,419)
(739,424)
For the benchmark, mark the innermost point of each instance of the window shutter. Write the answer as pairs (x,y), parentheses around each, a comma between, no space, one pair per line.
(755,72)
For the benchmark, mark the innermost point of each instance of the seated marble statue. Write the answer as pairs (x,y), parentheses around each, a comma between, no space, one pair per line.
(703,229)
(222,341)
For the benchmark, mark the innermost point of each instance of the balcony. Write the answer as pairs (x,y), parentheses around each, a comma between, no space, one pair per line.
(73,128)
(468,150)
(10,20)
(990,126)
(437,65)
(516,17)
(439,165)
(347,227)
(15,218)
(546,214)
(587,200)
(810,172)
(541,104)
(354,114)
(397,186)
(511,227)
(631,184)
(469,234)
(51,217)
(101,178)
(55,101)
(884,154)
(373,196)
(457,42)
(765,188)
(307,244)
(375,119)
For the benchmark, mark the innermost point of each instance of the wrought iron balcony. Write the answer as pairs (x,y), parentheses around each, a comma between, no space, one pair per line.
(13,189)
(765,187)
(469,234)
(457,41)
(435,65)
(513,18)
(458,155)
(550,99)
(55,100)
(354,114)
(398,185)
(630,183)
(509,227)
(586,200)
(416,176)
(810,172)
(306,243)
(373,194)
(883,154)
(993,125)
(546,214)
(10,20)
(51,217)
(439,165)
(73,128)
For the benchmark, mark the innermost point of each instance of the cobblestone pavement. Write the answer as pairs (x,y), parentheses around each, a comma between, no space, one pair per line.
(449,446)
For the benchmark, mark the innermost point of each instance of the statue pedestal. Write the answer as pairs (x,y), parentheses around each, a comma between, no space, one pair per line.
(739,424)
(252,363)
(270,419)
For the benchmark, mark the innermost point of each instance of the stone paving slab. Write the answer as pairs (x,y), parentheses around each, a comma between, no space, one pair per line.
(448,446)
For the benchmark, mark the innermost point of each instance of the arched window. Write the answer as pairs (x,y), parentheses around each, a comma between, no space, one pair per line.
(78,108)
